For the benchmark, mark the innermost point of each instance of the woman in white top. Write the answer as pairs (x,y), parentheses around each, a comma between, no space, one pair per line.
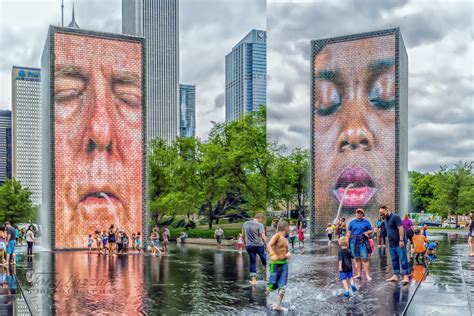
(30,239)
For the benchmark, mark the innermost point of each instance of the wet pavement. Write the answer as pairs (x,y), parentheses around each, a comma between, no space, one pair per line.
(196,279)
(448,289)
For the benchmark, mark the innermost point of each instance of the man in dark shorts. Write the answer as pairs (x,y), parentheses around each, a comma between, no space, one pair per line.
(358,235)
(397,245)
(11,243)
(254,238)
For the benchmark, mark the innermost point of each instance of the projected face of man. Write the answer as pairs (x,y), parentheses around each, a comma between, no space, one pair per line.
(355,123)
(98,136)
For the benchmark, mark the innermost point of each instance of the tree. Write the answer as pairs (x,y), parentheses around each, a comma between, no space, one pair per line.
(422,187)
(454,190)
(15,203)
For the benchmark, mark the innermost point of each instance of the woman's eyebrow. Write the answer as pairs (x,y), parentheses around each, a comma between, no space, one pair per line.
(327,74)
(381,64)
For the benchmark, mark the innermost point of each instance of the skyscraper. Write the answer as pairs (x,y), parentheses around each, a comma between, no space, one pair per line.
(5,145)
(157,21)
(246,75)
(187,110)
(26,119)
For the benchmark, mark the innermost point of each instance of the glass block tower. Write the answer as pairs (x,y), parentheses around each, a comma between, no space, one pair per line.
(26,107)
(245,75)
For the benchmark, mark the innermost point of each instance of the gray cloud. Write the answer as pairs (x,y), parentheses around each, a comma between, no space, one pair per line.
(438,37)
(219,101)
(208,31)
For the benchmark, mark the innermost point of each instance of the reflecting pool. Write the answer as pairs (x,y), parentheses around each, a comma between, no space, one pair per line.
(197,279)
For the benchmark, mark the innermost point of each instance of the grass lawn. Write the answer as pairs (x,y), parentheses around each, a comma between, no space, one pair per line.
(214,226)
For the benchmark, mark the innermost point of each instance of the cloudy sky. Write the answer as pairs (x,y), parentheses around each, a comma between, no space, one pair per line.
(438,36)
(208,31)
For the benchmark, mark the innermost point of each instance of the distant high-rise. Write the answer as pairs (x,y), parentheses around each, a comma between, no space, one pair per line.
(5,145)
(26,120)
(187,110)
(246,75)
(157,21)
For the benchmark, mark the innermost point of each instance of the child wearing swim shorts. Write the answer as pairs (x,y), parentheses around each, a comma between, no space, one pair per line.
(345,261)
(104,241)
(279,255)
(90,241)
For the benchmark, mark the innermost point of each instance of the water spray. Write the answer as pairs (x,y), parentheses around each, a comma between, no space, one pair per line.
(350,185)
(114,210)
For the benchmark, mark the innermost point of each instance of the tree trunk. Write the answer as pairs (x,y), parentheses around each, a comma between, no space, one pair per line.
(209,205)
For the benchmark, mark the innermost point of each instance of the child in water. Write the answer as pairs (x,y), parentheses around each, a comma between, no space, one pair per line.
(329,232)
(104,241)
(138,242)
(98,240)
(90,241)
(240,242)
(300,236)
(345,260)
(279,255)
(419,248)
(3,246)
(432,247)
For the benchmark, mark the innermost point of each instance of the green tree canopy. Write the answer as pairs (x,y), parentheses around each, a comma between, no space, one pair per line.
(15,203)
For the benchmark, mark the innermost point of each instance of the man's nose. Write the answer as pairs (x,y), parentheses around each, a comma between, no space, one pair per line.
(99,131)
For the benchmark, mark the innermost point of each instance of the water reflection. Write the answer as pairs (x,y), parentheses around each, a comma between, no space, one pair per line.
(192,279)
(203,280)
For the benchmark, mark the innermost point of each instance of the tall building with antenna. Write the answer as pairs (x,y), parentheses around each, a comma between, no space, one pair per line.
(157,21)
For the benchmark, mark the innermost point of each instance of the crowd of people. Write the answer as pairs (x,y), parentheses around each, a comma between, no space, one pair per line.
(357,241)
(10,237)
(115,241)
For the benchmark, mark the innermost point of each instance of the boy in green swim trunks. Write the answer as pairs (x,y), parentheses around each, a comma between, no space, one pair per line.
(279,255)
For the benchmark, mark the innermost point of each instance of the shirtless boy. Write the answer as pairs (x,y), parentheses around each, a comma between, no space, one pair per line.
(279,255)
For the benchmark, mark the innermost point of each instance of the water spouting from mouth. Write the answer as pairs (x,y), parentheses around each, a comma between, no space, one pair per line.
(350,185)
(114,210)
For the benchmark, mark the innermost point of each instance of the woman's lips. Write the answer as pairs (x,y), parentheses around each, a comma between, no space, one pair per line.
(362,190)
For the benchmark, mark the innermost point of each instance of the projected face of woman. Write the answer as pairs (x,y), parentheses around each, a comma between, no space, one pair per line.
(98,136)
(354,124)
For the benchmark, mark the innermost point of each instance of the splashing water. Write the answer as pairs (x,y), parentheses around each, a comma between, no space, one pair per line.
(350,185)
(114,210)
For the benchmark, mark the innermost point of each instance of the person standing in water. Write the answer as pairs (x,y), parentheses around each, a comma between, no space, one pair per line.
(397,245)
(358,235)
(293,232)
(279,254)
(30,239)
(255,239)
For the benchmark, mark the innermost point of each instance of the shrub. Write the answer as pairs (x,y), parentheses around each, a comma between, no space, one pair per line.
(204,233)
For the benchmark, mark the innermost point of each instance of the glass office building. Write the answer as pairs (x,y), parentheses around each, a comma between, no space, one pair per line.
(157,21)
(246,75)
(5,145)
(26,135)
(187,110)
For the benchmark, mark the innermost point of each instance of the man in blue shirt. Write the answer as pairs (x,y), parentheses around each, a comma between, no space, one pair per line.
(358,233)
(397,245)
